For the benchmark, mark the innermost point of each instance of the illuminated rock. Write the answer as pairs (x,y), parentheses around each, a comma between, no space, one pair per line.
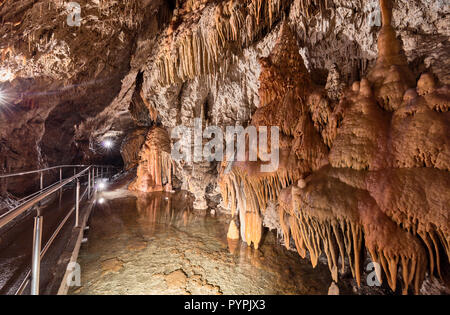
(155,168)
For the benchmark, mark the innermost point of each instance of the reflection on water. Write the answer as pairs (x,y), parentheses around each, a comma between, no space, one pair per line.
(157,244)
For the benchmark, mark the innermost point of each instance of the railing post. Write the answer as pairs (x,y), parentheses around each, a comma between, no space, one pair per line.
(89,184)
(60,180)
(41,181)
(93,180)
(77,203)
(36,255)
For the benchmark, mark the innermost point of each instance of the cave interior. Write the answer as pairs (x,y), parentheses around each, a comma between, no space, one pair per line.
(351,99)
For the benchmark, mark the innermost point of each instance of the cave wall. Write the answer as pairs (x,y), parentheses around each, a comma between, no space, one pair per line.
(132,66)
(337,40)
(55,78)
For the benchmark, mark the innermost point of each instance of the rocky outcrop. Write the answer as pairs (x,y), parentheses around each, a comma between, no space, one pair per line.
(131,147)
(389,198)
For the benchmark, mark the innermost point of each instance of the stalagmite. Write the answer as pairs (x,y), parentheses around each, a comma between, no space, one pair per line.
(233,231)
(391,76)
(333,289)
(155,166)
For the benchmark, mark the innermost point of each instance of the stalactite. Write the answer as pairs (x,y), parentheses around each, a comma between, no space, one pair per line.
(383,160)
(198,51)
(325,233)
(253,229)
(430,225)
(284,92)
(321,224)
(253,193)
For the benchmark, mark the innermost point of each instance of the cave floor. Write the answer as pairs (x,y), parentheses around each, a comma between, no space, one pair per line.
(156,244)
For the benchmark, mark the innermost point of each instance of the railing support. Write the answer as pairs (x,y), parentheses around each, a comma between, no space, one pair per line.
(93,180)
(41,181)
(89,185)
(36,255)
(77,204)
(60,180)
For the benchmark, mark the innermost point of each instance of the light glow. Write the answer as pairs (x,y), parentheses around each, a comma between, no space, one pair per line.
(101,201)
(108,144)
(6,98)
(3,97)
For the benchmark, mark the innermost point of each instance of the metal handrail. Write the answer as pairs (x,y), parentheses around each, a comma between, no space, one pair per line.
(14,213)
(51,168)
(38,192)
(27,279)
(35,200)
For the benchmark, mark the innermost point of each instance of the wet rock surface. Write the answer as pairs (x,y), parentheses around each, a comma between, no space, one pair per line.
(156,244)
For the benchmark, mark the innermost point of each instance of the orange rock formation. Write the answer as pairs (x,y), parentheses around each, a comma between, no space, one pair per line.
(155,168)
(370,173)
(287,96)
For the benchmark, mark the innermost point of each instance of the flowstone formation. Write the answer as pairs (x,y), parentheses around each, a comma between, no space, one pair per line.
(131,147)
(370,172)
(154,172)
(287,96)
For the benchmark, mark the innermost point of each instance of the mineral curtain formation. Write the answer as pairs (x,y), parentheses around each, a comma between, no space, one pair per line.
(154,172)
(199,47)
(370,171)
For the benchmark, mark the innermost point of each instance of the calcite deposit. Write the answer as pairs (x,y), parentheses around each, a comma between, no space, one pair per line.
(154,172)
(369,172)
(359,91)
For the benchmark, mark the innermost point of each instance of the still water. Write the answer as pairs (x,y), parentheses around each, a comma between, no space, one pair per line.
(157,244)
